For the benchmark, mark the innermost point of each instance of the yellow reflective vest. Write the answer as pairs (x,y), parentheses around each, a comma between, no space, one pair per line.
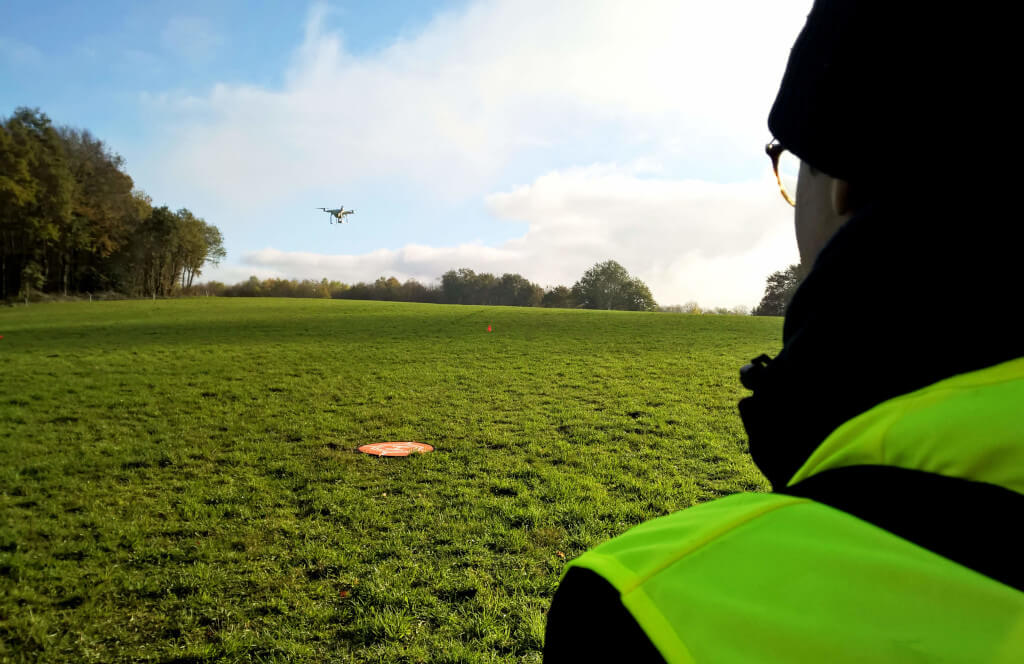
(778,578)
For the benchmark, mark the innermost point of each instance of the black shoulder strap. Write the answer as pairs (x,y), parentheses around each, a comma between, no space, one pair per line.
(976,524)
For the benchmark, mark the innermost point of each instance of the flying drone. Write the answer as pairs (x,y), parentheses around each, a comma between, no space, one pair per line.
(338,214)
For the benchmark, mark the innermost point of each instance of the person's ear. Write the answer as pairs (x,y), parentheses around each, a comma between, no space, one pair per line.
(842,201)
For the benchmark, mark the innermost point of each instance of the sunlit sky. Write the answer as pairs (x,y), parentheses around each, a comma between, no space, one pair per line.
(503,136)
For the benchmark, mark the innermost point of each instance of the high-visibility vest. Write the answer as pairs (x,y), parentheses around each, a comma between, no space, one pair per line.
(778,578)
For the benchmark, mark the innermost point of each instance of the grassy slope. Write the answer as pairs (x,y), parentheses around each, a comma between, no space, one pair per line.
(179,480)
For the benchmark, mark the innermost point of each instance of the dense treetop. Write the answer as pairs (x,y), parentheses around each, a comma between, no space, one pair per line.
(779,290)
(72,221)
(608,285)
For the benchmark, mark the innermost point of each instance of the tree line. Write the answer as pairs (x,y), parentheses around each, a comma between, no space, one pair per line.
(72,221)
(606,285)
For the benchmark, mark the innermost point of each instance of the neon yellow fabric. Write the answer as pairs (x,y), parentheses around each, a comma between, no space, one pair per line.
(774,578)
(969,426)
(771,578)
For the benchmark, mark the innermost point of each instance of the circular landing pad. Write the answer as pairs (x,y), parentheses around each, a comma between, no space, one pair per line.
(395,449)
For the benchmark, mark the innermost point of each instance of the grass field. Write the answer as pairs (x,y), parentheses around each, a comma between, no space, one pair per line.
(179,480)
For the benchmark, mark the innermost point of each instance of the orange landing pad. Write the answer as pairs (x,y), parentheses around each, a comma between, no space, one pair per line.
(395,449)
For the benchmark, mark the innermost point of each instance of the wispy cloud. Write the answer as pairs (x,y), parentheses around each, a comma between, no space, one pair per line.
(191,38)
(518,86)
(19,53)
(450,108)
(689,240)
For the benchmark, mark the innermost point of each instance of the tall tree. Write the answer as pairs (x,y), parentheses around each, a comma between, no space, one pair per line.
(456,286)
(123,270)
(18,191)
(40,211)
(608,285)
(160,248)
(779,290)
(638,297)
(102,210)
(515,290)
(482,288)
(199,243)
(71,220)
(559,297)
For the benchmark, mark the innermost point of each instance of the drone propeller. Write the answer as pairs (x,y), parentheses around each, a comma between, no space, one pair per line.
(338,213)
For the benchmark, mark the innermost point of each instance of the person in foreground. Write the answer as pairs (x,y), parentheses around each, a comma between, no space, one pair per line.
(891,424)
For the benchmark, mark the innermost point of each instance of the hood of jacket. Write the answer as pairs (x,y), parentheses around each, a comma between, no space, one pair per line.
(900,298)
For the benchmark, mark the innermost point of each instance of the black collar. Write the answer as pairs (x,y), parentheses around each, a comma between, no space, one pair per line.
(898,299)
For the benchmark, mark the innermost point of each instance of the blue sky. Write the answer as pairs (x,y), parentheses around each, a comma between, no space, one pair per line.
(77,53)
(86,64)
(500,135)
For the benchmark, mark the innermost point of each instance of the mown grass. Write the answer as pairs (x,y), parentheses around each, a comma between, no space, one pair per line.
(179,480)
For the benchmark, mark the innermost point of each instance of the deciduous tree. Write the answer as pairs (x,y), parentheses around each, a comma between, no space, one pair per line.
(559,297)
(69,212)
(779,290)
(608,285)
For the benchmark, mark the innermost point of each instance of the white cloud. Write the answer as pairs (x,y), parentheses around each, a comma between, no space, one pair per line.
(449,108)
(665,86)
(688,240)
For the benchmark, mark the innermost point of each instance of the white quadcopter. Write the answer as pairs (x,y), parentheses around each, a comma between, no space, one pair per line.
(338,214)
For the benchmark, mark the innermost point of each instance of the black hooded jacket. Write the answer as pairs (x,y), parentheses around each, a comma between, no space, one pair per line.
(901,297)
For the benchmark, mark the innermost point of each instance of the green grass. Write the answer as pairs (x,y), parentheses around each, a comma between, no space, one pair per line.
(179,480)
